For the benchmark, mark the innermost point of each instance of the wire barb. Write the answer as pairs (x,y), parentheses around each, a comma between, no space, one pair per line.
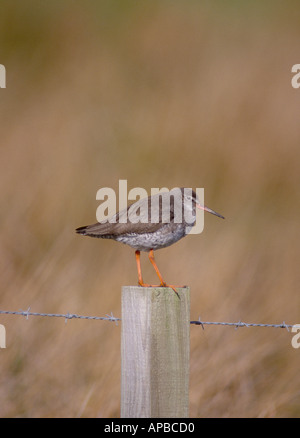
(112,318)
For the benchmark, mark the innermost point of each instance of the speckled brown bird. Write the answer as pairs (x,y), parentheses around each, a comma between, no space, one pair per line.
(151,224)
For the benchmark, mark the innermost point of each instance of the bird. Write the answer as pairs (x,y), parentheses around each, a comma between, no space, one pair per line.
(151,223)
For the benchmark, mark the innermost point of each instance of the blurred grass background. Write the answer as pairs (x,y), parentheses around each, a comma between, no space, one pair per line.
(163,94)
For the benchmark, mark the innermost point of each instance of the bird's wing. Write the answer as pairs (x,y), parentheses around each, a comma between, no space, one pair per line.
(135,218)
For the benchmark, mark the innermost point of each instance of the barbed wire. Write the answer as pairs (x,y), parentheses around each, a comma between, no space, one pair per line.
(243,324)
(110,317)
(67,316)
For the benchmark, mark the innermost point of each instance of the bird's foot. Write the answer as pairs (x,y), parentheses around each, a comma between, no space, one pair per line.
(162,284)
(140,283)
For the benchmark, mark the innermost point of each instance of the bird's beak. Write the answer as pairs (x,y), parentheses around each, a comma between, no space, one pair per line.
(202,207)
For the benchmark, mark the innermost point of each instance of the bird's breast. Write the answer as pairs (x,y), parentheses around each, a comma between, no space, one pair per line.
(163,237)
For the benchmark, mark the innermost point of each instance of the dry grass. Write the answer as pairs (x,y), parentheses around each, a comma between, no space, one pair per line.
(161,95)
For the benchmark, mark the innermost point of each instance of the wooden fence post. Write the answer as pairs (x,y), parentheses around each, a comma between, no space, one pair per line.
(155,352)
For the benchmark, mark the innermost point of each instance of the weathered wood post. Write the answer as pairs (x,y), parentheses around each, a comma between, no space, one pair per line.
(155,351)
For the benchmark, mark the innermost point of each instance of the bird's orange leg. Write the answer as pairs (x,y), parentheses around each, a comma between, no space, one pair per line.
(139,269)
(152,260)
(162,282)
